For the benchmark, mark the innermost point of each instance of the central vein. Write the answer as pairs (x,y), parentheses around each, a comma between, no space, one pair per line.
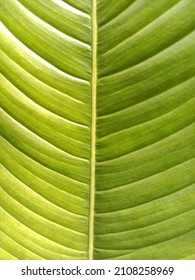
(93,128)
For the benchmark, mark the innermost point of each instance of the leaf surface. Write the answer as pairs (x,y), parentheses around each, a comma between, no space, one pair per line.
(97,129)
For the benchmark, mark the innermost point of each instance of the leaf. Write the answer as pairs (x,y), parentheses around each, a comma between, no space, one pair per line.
(97,129)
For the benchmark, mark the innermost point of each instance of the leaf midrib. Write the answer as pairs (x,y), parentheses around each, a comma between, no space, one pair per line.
(93,128)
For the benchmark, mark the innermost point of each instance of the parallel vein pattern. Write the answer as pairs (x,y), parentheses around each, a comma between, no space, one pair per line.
(145,192)
(45,129)
(97,129)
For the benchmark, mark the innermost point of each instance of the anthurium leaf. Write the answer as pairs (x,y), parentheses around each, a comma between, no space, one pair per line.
(97,129)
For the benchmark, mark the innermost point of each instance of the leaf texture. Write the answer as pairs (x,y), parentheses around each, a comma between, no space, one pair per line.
(97,129)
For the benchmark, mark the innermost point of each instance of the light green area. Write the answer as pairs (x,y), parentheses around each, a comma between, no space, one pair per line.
(97,129)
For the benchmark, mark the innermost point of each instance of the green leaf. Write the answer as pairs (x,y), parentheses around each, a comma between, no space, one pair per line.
(97,129)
